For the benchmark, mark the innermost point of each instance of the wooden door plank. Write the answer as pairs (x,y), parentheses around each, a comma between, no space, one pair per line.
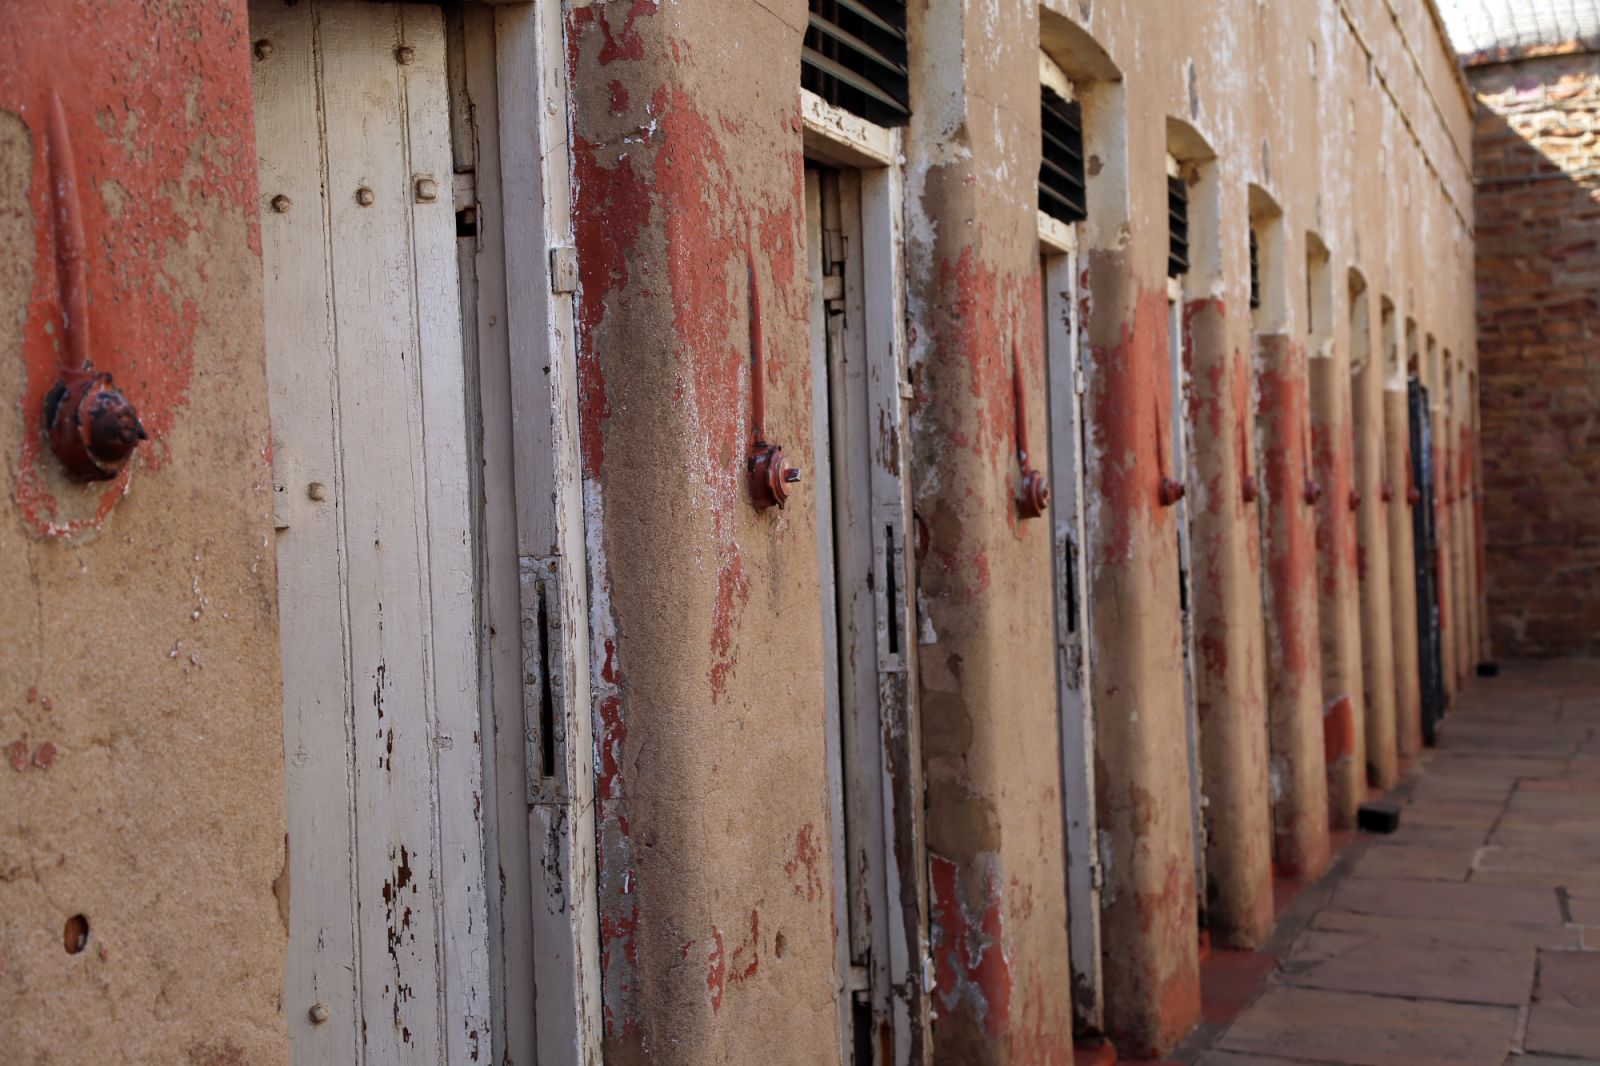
(535,216)
(822,481)
(302,393)
(384,507)
(451,628)
(1073,666)
(900,789)
(506,776)
(854,582)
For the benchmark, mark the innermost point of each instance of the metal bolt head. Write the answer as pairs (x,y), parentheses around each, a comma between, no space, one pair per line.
(427,190)
(404,54)
(317,490)
(281,203)
(263,49)
(318,1013)
(364,196)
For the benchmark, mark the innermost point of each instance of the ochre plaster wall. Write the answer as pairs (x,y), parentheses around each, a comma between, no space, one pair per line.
(139,700)
(716,870)
(989,719)
(712,788)
(1356,125)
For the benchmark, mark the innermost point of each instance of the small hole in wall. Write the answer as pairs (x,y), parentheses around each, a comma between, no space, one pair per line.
(780,945)
(75,935)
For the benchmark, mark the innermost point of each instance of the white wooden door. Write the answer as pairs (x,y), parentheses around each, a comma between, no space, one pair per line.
(388,950)
(1059,272)
(1182,448)
(867,602)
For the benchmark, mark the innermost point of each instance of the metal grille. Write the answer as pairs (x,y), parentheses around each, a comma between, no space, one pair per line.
(854,57)
(1255,271)
(1483,27)
(1177,227)
(1061,182)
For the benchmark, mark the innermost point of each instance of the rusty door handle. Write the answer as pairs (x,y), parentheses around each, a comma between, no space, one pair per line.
(1034,495)
(769,474)
(91,426)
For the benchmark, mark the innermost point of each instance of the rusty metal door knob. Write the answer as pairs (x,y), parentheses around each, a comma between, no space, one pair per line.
(1355,500)
(1413,496)
(1386,493)
(1169,491)
(770,476)
(1251,490)
(1035,494)
(92,427)
(1312,491)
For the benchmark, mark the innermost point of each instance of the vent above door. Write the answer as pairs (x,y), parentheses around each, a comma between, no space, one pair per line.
(1177,227)
(854,57)
(1061,185)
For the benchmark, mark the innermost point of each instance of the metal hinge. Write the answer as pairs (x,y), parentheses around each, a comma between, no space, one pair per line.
(563,269)
(544,680)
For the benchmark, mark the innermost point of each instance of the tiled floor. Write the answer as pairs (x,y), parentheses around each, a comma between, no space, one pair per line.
(1469,936)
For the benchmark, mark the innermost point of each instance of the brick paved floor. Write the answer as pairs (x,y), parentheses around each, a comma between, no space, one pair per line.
(1469,936)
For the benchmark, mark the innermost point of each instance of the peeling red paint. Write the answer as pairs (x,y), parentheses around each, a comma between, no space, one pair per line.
(620,44)
(148,146)
(1339,731)
(610,207)
(1126,434)
(723,970)
(802,866)
(619,97)
(986,316)
(969,952)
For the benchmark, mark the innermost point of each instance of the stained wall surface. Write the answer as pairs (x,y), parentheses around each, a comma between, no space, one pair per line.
(1538,227)
(142,787)
(712,780)
(1350,118)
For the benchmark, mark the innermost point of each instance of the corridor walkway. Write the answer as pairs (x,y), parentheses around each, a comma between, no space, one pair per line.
(1469,936)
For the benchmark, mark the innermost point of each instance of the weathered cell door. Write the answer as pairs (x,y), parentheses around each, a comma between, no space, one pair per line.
(389,954)
(1181,447)
(1058,269)
(867,608)
(1424,535)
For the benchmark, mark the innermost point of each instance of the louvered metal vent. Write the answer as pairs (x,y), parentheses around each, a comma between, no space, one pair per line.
(1255,272)
(1177,227)
(854,57)
(1061,188)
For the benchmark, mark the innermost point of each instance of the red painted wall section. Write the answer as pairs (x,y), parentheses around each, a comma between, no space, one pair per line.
(989,729)
(1294,662)
(1230,684)
(146,136)
(140,675)
(715,853)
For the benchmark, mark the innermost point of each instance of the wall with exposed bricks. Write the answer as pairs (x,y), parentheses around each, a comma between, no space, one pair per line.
(1537,158)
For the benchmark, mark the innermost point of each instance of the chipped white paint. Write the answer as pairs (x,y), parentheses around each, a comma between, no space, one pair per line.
(834,135)
(388,925)
(535,216)
(854,234)
(1074,684)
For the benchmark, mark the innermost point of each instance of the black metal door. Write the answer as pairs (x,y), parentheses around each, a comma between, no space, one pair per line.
(1424,536)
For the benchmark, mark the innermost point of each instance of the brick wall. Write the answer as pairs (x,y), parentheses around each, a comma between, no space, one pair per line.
(1537,152)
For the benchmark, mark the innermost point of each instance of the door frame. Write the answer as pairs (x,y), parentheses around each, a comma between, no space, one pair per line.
(526,199)
(1067,376)
(900,983)
(517,319)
